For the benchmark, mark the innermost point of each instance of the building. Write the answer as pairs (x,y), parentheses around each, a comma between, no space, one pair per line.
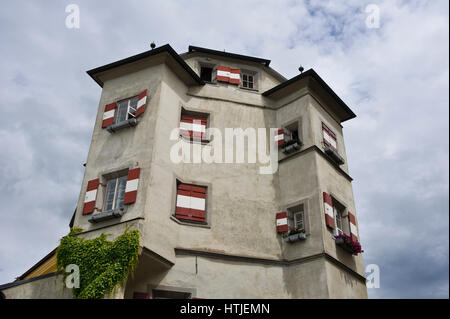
(218,230)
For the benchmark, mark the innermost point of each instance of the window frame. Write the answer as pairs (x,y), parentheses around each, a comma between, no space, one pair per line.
(116,197)
(127,117)
(213,68)
(200,114)
(292,209)
(248,73)
(206,222)
(339,207)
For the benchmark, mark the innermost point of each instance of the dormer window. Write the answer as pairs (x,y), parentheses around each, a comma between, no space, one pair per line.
(248,80)
(206,73)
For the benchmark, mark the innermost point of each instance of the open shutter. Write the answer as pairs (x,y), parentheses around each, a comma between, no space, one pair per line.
(132,185)
(328,205)
(108,115)
(282,222)
(329,138)
(223,73)
(193,127)
(353,228)
(91,196)
(142,102)
(235,76)
(279,137)
(141,295)
(191,202)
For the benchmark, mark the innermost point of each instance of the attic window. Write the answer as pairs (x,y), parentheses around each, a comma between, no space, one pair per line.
(206,73)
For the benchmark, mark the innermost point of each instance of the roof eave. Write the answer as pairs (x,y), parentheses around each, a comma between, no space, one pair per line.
(165,48)
(313,74)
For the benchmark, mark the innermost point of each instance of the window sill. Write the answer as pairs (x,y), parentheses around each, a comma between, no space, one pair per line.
(185,223)
(117,213)
(291,148)
(249,90)
(295,237)
(124,124)
(331,152)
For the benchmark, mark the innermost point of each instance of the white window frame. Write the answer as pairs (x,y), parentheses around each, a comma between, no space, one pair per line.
(338,215)
(295,214)
(129,107)
(116,192)
(254,75)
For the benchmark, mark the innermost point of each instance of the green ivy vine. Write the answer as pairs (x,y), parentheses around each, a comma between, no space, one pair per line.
(104,265)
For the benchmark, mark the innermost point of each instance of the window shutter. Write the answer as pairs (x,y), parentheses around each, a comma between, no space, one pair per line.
(235,76)
(142,101)
(132,185)
(191,202)
(91,196)
(193,127)
(141,295)
(279,137)
(328,205)
(329,138)
(353,229)
(108,115)
(223,73)
(282,222)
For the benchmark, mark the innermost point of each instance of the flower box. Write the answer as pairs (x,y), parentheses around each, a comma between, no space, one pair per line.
(291,146)
(348,244)
(294,237)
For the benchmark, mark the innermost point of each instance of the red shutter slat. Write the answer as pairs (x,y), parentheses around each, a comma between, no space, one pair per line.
(131,187)
(108,114)
(328,207)
(90,196)
(142,102)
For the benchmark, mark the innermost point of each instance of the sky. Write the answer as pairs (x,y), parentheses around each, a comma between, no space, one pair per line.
(395,77)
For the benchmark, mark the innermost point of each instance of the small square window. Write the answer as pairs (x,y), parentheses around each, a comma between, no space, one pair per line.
(248,80)
(191,203)
(296,218)
(206,73)
(193,126)
(115,192)
(126,109)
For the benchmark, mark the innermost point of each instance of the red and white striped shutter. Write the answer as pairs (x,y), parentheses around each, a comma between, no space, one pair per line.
(142,102)
(108,114)
(279,137)
(223,73)
(91,196)
(193,127)
(235,76)
(328,206)
(329,138)
(132,185)
(353,228)
(191,202)
(141,295)
(282,222)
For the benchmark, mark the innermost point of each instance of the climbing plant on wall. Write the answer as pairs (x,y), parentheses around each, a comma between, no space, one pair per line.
(104,265)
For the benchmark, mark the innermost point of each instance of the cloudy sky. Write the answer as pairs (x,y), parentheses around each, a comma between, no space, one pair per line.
(395,78)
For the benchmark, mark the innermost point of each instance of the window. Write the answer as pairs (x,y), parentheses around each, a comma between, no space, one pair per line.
(248,80)
(291,132)
(296,218)
(338,213)
(206,73)
(191,203)
(329,138)
(115,193)
(126,109)
(193,126)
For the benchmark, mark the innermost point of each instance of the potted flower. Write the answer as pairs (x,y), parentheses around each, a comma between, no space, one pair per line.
(346,242)
(291,146)
(294,235)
